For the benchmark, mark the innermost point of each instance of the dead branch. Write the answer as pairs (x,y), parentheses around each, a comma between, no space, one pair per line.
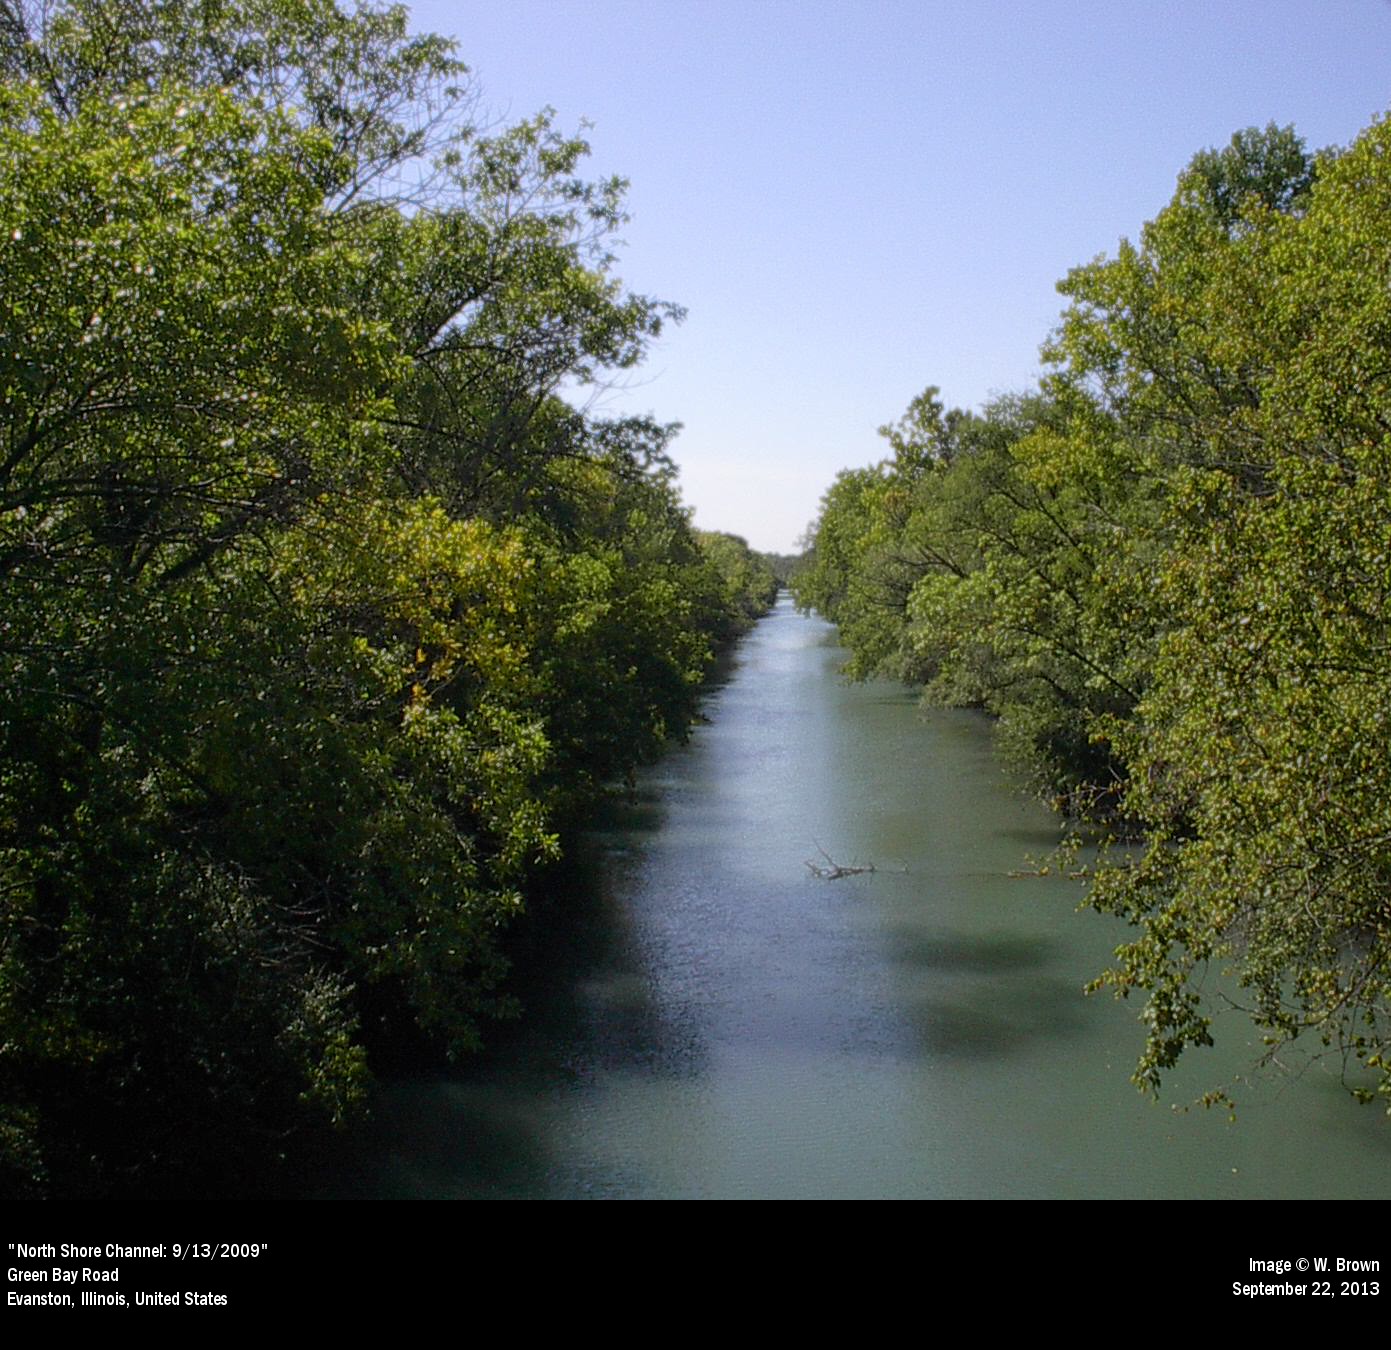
(832,870)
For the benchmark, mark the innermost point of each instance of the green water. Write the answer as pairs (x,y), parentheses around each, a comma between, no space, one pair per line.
(710,1019)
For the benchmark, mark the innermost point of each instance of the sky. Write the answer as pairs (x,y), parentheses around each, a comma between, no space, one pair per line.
(854,199)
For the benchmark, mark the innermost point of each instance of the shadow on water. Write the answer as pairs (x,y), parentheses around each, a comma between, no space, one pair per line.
(586,980)
(1043,838)
(639,813)
(989,995)
(991,955)
(987,1023)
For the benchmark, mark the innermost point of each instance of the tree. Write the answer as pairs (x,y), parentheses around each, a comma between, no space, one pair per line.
(1259,758)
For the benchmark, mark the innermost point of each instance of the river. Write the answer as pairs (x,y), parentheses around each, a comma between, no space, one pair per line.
(710,1019)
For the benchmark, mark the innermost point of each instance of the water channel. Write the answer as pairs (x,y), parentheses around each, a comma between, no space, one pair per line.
(710,1019)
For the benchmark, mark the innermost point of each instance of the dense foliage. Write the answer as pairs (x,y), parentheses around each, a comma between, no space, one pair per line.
(1168,573)
(320,606)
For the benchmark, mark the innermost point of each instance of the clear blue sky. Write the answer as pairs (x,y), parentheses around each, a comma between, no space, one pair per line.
(857,198)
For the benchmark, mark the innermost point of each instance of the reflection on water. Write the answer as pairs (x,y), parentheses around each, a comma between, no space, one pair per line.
(707,1018)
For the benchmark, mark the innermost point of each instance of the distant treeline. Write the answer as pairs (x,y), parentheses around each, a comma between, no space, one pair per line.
(784,566)
(320,608)
(1167,572)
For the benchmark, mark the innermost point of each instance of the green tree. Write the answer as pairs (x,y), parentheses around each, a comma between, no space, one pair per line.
(1259,759)
(745,586)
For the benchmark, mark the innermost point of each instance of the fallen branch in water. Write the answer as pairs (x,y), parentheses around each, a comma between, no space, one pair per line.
(833,871)
(1074,874)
